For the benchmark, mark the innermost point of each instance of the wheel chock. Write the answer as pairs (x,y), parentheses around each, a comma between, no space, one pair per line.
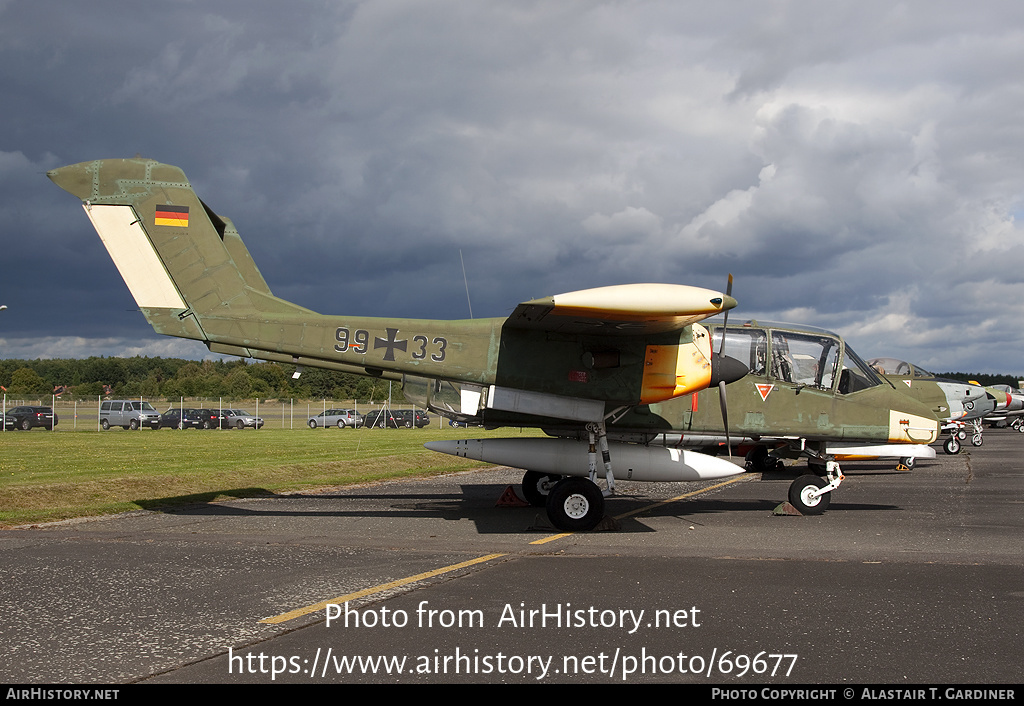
(510,499)
(786,508)
(607,524)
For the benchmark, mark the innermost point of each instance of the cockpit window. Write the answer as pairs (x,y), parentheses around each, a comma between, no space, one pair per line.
(749,346)
(804,359)
(856,374)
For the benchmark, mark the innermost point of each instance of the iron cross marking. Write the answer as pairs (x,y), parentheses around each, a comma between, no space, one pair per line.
(391,344)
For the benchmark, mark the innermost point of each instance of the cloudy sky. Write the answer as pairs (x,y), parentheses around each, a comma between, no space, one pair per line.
(856,165)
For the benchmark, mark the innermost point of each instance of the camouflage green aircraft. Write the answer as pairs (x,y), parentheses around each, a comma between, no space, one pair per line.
(807,394)
(954,402)
(571,358)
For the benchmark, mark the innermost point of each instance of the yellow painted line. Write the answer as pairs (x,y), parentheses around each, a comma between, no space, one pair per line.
(738,479)
(299,612)
(552,538)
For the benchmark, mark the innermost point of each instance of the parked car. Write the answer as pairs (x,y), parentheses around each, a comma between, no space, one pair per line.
(382,418)
(176,418)
(26,418)
(213,418)
(240,419)
(128,414)
(410,418)
(340,418)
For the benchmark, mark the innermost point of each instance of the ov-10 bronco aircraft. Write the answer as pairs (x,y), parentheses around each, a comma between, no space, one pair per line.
(807,394)
(571,359)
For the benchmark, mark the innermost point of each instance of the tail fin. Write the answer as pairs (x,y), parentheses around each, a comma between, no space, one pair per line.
(181,261)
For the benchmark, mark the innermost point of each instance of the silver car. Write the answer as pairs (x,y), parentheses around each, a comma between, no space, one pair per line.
(240,419)
(340,418)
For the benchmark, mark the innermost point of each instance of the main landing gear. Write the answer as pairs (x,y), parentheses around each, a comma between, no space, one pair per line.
(573,504)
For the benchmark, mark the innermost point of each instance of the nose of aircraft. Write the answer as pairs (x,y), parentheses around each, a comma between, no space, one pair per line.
(726,369)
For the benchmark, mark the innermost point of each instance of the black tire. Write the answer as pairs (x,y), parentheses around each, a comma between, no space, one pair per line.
(26,425)
(134,425)
(962,435)
(951,445)
(239,424)
(537,486)
(798,495)
(105,424)
(908,462)
(977,440)
(341,423)
(575,505)
(759,460)
(312,423)
(818,468)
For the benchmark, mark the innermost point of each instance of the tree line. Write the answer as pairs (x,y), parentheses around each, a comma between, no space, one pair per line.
(143,376)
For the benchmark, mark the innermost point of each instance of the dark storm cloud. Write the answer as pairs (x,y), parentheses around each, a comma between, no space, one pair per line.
(857,166)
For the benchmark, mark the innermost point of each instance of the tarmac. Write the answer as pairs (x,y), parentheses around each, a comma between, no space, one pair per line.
(909,578)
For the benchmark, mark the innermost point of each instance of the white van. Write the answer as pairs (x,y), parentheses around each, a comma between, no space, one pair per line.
(128,414)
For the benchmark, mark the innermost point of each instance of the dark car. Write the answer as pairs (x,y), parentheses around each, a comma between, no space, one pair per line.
(382,418)
(28,417)
(409,418)
(213,418)
(181,419)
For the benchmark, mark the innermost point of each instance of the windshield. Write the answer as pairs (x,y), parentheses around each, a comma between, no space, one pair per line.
(747,345)
(856,374)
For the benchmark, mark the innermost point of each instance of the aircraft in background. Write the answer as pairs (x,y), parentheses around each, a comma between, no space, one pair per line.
(573,359)
(954,402)
(807,395)
(1009,407)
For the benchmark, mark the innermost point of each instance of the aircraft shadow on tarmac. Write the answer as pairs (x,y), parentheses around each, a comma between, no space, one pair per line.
(475,502)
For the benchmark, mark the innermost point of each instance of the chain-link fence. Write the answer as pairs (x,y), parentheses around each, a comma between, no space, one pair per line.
(88,415)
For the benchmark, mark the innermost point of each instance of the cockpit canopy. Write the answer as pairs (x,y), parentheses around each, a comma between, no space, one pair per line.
(805,357)
(894,366)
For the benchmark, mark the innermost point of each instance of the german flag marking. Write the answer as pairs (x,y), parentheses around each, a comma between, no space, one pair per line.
(170,215)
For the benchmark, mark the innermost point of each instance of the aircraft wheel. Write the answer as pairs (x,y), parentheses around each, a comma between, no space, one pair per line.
(575,505)
(105,424)
(817,467)
(537,486)
(962,435)
(951,445)
(977,440)
(759,461)
(908,462)
(800,495)
(1020,428)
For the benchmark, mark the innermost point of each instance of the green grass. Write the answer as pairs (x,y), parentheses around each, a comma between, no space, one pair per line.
(48,476)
